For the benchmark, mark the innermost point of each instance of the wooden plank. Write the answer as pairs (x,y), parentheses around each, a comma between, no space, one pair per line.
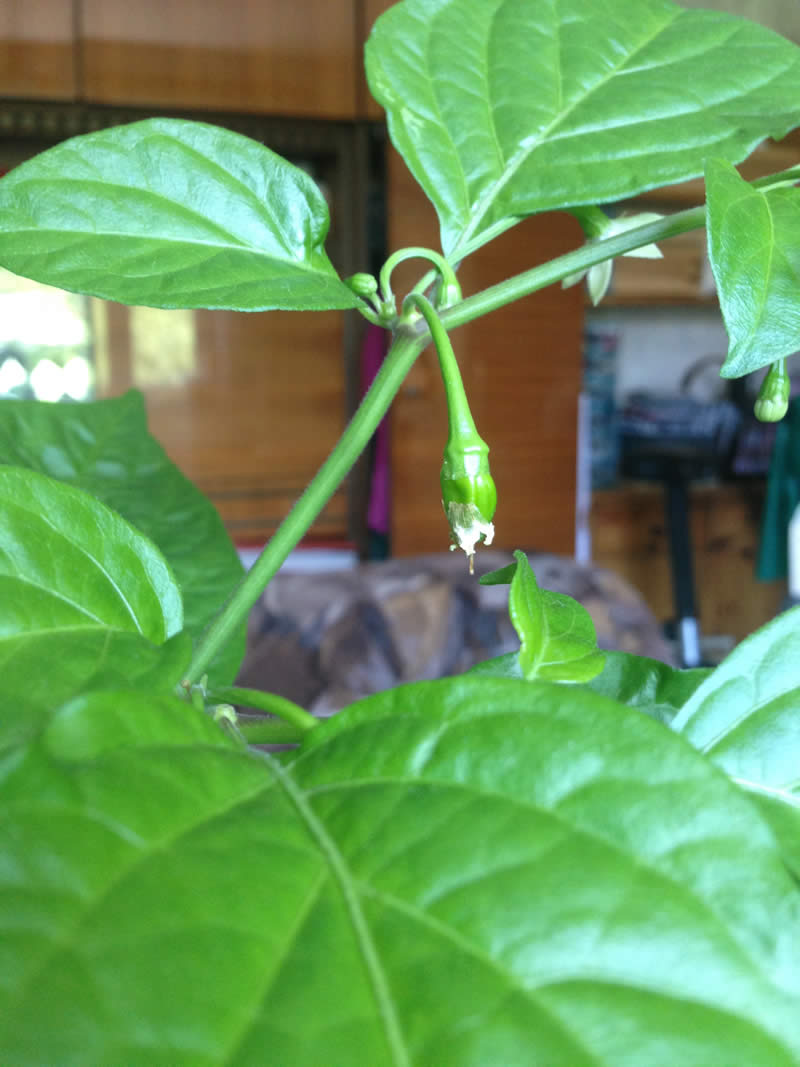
(37,54)
(629,536)
(248,406)
(280,57)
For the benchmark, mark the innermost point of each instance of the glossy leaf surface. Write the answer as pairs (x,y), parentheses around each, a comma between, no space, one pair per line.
(67,562)
(503,108)
(746,718)
(654,687)
(754,248)
(463,872)
(556,633)
(171,213)
(104,447)
(43,670)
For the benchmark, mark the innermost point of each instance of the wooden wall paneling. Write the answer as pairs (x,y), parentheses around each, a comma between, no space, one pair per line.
(682,276)
(629,536)
(368,11)
(247,405)
(731,600)
(521,368)
(285,57)
(37,56)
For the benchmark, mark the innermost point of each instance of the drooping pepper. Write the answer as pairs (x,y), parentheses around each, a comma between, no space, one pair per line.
(469,496)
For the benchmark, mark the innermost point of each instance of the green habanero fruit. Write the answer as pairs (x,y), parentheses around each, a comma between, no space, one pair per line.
(469,496)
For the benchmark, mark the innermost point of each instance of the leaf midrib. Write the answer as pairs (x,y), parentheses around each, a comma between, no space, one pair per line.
(469,948)
(515,161)
(229,243)
(346,882)
(176,241)
(633,861)
(721,735)
(83,611)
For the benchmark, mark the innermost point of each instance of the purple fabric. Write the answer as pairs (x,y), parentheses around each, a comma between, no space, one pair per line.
(378,508)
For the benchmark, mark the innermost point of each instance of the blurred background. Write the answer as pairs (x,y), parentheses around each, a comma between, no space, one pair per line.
(613,439)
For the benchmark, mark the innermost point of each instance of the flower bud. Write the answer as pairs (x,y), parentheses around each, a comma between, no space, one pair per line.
(772,401)
(363,285)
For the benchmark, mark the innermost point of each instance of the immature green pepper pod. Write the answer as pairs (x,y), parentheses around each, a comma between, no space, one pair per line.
(772,401)
(468,493)
(469,496)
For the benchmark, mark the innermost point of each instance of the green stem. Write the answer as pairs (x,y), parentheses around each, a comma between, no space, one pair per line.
(404,350)
(272,703)
(450,289)
(530,281)
(269,732)
(458,412)
(782,177)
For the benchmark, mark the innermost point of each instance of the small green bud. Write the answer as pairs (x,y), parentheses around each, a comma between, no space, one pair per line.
(469,496)
(449,293)
(772,401)
(363,285)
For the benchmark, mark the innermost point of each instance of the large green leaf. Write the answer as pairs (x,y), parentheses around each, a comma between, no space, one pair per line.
(754,247)
(78,660)
(85,600)
(171,213)
(654,687)
(104,448)
(557,636)
(68,562)
(503,108)
(746,718)
(456,873)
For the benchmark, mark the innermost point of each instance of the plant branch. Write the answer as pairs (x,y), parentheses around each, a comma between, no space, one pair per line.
(406,347)
(269,732)
(449,287)
(272,703)
(597,251)
(458,412)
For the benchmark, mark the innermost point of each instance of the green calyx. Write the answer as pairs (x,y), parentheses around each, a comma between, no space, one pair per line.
(772,401)
(469,496)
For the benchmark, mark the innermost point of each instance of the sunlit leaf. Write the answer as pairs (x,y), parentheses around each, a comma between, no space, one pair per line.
(746,718)
(754,248)
(654,687)
(503,108)
(68,562)
(104,447)
(557,636)
(171,213)
(473,871)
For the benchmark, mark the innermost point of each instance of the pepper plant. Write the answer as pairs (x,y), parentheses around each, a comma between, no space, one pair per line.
(559,858)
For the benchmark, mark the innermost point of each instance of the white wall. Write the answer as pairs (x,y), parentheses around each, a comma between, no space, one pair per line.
(657,345)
